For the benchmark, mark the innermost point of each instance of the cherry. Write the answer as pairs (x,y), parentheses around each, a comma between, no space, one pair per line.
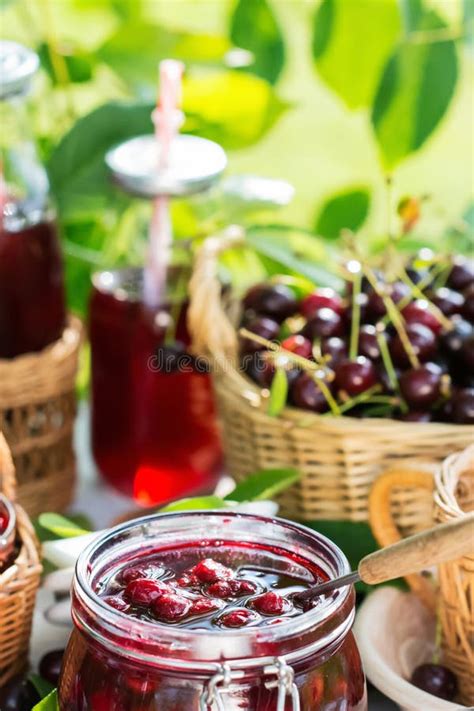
(210,571)
(323,324)
(423,342)
(226,589)
(188,581)
(144,591)
(467,353)
(259,368)
(421,387)
(376,306)
(305,393)
(368,343)
(140,570)
(117,602)
(461,274)
(449,302)
(355,376)
(250,299)
(334,347)
(171,607)
(435,679)
(270,603)
(237,618)
(275,300)
(321,298)
(261,326)
(452,341)
(203,605)
(18,695)
(50,666)
(4,519)
(462,406)
(468,308)
(299,345)
(418,312)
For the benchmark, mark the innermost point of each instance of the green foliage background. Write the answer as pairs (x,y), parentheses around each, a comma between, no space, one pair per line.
(332,95)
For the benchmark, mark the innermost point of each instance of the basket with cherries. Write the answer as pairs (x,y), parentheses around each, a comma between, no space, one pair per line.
(398,344)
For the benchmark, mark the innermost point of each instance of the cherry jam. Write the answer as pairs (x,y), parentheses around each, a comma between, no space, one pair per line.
(154,436)
(160,604)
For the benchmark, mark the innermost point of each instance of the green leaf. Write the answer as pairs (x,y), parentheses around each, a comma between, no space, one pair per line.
(49,703)
(346,210)
(278,393)
(263,484)
(77,171)
(60,526)
(255,28)
(233,108)
(414,93)
(294,249)
(42,686)
(79,66)
(195,503)
(352,41)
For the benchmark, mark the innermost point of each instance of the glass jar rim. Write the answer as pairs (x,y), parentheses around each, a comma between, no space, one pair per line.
(300,631)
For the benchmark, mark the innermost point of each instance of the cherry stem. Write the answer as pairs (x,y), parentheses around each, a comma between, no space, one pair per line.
(438,638)
(355,326)
(416,291)
(358,399)
(307,365)
(395,318)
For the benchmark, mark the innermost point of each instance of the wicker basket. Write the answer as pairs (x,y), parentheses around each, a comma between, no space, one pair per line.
(37,410)
(404,501)
(339,457)
(18,583)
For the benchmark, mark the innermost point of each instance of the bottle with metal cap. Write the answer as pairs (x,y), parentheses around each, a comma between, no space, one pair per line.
(154,432)
(32,307)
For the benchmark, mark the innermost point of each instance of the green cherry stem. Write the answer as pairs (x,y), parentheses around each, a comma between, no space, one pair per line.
(355,326)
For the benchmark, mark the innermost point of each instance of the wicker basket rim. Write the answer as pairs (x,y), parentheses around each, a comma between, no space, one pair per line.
(54,352)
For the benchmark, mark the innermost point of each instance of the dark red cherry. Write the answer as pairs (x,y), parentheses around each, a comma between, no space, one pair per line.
(321,298)
(4,519)
(422,340)
(259,368)
(210,571)
(50,666)
(238,618)
(461,274)
(463,406)
(323,324)
(448,301)
(140,570)
(299,345)
(436,680)
(306,394)
(18,695)
(452,341)
(171,607)
(336,348)
(250,299)
(270,603)
(261,326)
(467,353)
(274,300)
(204,605)
(376,306)
(421,387)
(117,602)
(418,312)
(468,308)
(368,343)
(355,376)
(144,591)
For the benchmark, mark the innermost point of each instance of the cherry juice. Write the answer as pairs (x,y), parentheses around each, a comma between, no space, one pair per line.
(154,432)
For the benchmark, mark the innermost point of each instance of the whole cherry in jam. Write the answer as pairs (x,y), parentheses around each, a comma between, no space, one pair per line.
(4,519)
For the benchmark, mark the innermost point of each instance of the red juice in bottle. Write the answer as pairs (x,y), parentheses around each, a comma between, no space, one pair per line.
(154,432)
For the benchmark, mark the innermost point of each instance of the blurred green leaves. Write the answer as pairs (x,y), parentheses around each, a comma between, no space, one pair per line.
(345,210)
(351,44)
(255,28)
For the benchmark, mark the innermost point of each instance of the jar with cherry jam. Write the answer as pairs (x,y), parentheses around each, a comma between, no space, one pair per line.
(196,612)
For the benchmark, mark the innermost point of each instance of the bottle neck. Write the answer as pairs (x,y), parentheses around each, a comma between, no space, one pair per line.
(24,187)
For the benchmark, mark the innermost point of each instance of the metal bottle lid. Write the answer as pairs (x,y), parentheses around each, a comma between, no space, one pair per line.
(18,64)
(194,165)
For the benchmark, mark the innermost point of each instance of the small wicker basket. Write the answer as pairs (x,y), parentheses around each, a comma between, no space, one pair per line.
(18,582)
(37,410)
(405,501)
(339,457)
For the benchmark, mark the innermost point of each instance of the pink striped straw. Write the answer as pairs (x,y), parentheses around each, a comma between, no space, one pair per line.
(167,120)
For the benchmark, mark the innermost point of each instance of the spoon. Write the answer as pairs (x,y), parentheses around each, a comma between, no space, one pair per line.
(440,544)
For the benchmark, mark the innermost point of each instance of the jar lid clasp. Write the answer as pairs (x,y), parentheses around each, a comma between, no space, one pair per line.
(284,682)
(218,683)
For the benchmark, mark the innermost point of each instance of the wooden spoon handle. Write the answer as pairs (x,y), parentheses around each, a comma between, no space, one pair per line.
(449,541)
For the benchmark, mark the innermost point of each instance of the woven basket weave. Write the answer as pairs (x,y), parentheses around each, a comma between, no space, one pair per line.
(37,410)
(403,502)
(339,457)
(18,582)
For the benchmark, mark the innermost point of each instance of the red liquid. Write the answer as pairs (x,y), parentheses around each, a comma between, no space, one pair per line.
(32,308)
(95,678)
(154,433)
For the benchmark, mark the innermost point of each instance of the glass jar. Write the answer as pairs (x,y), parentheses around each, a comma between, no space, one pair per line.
(116,662)
(32,305)
(154,429)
